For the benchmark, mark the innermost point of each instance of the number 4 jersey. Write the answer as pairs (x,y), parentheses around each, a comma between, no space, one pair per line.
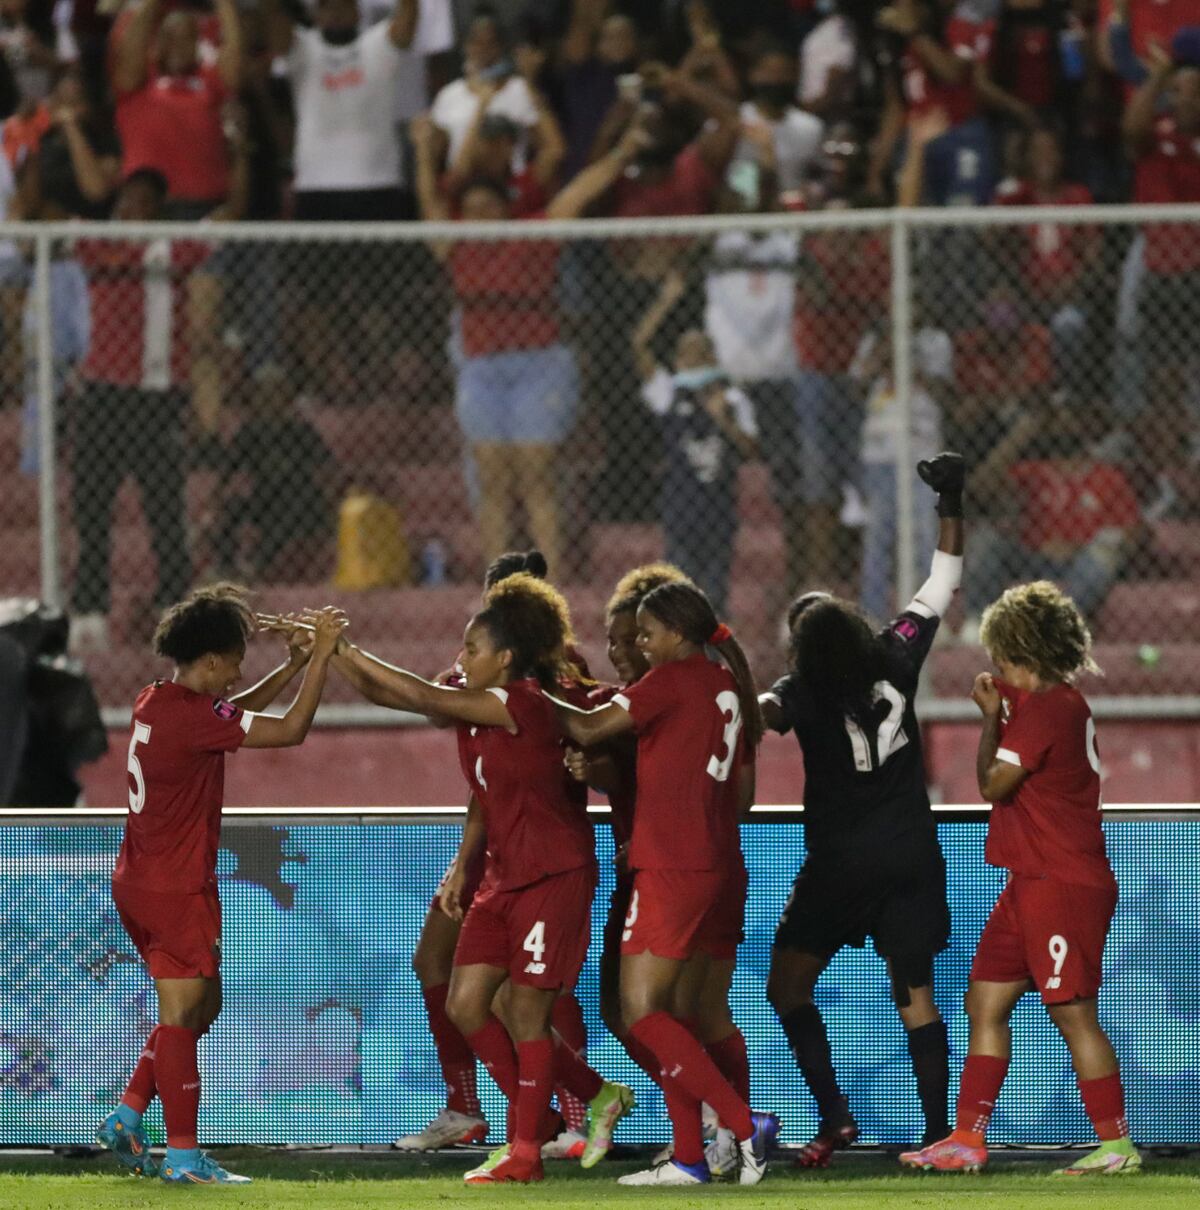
(177,787)
(688,720)
(864,779)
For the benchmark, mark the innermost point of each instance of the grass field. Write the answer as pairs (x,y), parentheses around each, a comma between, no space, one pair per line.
(326,1181)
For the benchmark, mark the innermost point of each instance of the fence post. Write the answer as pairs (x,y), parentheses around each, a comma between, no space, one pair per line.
(47,419)
(902,381)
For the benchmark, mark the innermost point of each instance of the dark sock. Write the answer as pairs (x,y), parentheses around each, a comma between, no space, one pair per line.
(929,1049)
(810,1047)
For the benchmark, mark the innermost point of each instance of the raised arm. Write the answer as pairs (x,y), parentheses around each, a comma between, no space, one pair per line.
(1138,124)
(279,27)
(386,685)
(551,144)
(267,731)
(903,18)
(300,647)
(403,25)
(998,779)
(590,727)
(668,295)
(96,175)
(596,179)
(133,49)
(229,57)
(946,474)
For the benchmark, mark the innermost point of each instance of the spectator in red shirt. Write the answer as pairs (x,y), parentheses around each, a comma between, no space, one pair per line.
(518,385)
(1165,145)
(1076,518)
(933,102)
(169,106)
(1055,258)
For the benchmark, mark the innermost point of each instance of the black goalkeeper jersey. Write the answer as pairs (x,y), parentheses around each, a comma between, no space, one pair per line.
(865,782)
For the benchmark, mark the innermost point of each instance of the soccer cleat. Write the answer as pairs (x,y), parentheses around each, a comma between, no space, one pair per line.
(129,1145)
(663,1154)
(1116,1157)
(203,1171)
(494,1158)
(946,1155)
(754,1151)
(721,1155)
(606,1109)
(448,1129)
(510,1170)
(669,1172)
(567,1145)
(819,1151)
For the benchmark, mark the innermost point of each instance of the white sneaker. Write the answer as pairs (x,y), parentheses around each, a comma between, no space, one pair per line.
(721,1154)
(661,1157)
(666,1173)
(89,634)
(568,1146)
(447,1129)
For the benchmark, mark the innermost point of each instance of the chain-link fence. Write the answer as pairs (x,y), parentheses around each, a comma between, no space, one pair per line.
(367,415)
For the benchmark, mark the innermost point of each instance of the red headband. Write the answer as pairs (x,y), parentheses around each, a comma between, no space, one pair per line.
(722,634)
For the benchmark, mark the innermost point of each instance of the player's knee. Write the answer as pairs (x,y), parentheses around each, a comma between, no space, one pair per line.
(610,1014)
(785,995)
(982,1009)
(465,1012)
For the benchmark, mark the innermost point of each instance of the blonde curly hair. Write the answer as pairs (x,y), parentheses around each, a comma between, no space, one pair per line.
(636,583)
(531,619)
(1037,626)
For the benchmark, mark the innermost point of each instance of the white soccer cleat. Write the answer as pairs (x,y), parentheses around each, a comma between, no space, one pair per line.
(669,1172)
(569,1145)
(721,1154)
(446,1130)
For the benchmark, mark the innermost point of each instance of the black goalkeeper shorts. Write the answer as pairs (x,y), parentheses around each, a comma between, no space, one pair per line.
(897,897)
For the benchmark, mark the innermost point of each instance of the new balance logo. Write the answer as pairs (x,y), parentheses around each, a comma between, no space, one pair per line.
(1053,983)
(190,1086)
(675,1071)
(535,968)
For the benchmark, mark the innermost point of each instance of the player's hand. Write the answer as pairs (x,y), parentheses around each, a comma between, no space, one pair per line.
(1158,58)
(450,898)
(621,859)
(328,625)
(945,473)
(577,764)
(985,695)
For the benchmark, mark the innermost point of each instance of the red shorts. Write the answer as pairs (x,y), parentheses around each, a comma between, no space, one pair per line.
(1050,932)
(178,936)
(470,887)
(618,909)
(675,913)
(538,933)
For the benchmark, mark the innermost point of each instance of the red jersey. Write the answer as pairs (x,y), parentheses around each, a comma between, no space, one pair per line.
(1050,828)
(177,787)
(688,720)
(689,188)
(173,124)
(536,825)
(1169,171)
(527,196)
(1151,21)
(139,310)
(983,367)
(1072,501)
(1054,252)
(924,93)
(507,291)
(624,755)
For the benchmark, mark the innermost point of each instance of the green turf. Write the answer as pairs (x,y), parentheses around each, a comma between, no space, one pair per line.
(320,1181)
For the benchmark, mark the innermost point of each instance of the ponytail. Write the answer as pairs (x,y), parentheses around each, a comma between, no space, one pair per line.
(683,608)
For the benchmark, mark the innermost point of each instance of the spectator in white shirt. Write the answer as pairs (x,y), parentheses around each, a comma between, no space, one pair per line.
(827,61)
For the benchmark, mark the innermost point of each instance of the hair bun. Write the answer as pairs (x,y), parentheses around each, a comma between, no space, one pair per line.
(535,564)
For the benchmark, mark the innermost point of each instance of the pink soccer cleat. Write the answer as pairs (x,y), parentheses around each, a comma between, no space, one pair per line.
(946,1155)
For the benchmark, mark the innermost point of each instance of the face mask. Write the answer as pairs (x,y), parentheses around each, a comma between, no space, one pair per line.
(742,179)
(774,94)
(698,379)
(340,35)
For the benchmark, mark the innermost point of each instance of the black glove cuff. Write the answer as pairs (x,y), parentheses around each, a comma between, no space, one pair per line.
(950,504)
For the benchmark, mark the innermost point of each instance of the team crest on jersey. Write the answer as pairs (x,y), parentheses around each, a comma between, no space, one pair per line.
(905,629)
(223,709)
(1005,710)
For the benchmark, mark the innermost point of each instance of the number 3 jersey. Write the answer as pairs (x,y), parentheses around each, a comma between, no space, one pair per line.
(177,787)
(688,720)
(535,813)
(864,779)
(1050,828)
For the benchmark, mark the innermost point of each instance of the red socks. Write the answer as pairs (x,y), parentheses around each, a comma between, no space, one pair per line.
(535,1062)
(642,1057)
(977,1094)
(178,1079)
(683,1059)
(687,1126)
(729,1054)
(495,1050)
(567,1021)
(139,1092)
(1104,1101)
(455,1056)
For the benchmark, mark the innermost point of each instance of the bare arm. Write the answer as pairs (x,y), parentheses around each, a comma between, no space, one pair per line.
(590,727)
(998,779)
(595,180)
(464,163)
(643,334)
(551,144)
(891,130)
(587,16)
(472,844)
(129,66)
(229,57)
(747,783)
(717,405)
(1138,124)
(1000,100)
(403,25)
(262,695)
(279,28)
(598,770)
(96,175)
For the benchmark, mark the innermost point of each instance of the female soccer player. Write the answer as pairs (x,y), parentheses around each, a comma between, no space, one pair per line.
(164,884)
(1039,767)
(694,767)
(529,923)
(873,866)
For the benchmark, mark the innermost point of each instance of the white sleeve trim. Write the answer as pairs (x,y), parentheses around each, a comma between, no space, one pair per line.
(934,596)
(1009,757)
(771,697)
(619,699)
(502,694)
(246,719)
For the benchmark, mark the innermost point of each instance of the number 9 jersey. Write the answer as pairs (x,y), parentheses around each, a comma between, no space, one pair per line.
(688,720)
